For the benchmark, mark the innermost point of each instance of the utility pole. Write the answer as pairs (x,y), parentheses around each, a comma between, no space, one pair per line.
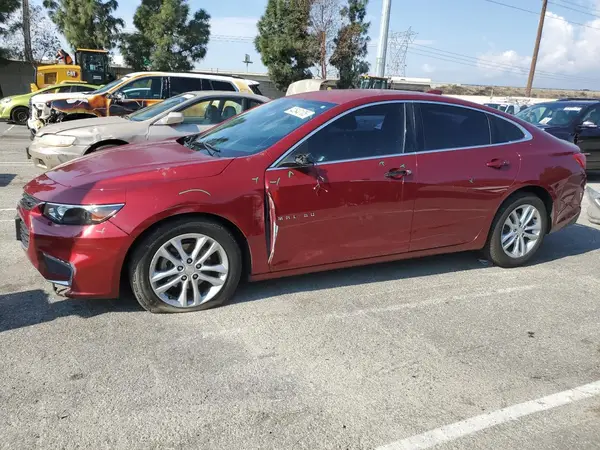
(27,32)
(536,49)
(383,38)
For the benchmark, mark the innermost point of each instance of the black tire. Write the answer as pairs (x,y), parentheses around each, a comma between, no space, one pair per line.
(19,115)
(141,259)
(493,249)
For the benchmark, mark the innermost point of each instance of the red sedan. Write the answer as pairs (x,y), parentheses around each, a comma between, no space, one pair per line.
(305,183)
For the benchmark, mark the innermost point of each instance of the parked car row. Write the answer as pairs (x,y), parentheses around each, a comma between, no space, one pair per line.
(177,116)
(305,183)
(510,108)
(15,108)
(573,120)
(127,95)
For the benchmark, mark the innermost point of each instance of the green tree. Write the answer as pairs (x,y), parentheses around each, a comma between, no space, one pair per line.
(7,7)
(86,23)
(44,36)
(165,39)
(284,42)
(351,44)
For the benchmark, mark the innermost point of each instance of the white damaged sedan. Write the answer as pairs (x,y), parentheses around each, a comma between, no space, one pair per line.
(177,116)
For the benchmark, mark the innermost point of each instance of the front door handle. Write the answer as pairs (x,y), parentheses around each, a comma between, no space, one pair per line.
(398,173)
(497,163)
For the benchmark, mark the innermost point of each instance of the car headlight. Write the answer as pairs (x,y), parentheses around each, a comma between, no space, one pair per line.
(6,100)
(55,140)
(79,214)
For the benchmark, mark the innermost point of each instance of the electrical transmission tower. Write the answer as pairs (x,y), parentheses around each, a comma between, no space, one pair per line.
(398,43)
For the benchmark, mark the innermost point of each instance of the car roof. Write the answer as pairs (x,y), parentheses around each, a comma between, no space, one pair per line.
(206,94)
(341,96)
(569,102)
(190,75)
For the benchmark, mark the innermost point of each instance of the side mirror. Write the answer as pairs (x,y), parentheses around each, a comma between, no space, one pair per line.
(302,160)
(115,97)
(588,124)
(173,118)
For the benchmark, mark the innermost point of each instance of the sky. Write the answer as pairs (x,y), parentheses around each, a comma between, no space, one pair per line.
(458,41)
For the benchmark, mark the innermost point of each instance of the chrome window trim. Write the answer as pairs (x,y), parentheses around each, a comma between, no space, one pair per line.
(527,135)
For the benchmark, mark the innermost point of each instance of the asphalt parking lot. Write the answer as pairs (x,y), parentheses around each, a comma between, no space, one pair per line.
(361,358)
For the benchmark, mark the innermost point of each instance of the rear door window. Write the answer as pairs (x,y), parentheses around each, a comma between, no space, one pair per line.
(180,85)
(448,127)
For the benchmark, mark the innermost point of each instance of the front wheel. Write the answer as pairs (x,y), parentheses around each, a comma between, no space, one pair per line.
(517,231)
(19,115)
(188,265)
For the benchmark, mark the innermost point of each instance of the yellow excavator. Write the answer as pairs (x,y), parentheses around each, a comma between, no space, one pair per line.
(91,67)
(373,82)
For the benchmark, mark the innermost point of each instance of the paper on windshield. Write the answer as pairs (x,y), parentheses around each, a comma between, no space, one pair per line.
(573,108)
(545,120)
(300,113)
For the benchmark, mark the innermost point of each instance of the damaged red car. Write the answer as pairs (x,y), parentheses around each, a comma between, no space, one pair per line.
(305,183)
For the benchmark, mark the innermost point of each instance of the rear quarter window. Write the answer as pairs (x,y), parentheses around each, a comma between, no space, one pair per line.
(503,131)
(222,86)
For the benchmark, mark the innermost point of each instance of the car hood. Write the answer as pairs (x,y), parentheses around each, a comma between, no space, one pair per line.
(19,97)
(45,98)
(140,163)
(94,125)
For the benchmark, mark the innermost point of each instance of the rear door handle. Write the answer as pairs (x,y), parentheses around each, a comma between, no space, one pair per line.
(398,173)
(497,163)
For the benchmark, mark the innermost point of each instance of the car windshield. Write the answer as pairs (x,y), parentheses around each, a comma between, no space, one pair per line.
(158,108)
(258,128)
(551,114)
(109,86)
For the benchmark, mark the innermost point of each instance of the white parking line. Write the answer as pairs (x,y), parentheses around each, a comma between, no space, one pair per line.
(7,209)
(7,130)
(474,424)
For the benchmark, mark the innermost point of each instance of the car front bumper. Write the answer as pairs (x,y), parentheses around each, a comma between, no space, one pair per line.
(593,210)
(34,125)
(46,157)
(86,260)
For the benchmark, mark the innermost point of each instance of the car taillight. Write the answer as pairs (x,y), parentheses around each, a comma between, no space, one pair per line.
(581,159)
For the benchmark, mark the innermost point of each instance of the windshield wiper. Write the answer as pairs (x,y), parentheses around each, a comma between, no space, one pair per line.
(190,142)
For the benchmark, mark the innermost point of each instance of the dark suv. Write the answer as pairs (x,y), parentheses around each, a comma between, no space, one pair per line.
(574,120)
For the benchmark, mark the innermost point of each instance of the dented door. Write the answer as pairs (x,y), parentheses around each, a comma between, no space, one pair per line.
(337,212)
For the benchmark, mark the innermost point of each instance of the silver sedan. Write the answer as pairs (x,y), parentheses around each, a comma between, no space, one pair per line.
(181,115)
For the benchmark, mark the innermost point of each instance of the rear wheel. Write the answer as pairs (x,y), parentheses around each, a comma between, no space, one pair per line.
(518,231)
(185,266)
(19,115)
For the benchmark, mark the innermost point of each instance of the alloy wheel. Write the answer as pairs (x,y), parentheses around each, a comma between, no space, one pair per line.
(188,270)
(521,231)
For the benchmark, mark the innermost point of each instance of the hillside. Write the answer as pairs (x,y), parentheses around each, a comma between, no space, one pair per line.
(502,91)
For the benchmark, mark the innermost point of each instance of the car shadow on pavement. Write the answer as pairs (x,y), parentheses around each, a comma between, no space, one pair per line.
(6,179)
(23,309)
(575,240)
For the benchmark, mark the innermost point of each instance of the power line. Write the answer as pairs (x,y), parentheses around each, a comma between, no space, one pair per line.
(537,14)
(574,9)
(522,72)
(499,64)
